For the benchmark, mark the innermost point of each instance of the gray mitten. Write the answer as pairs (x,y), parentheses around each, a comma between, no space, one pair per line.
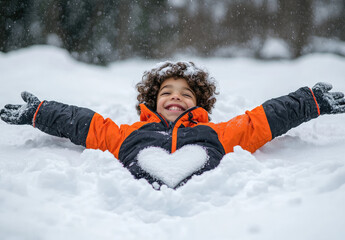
(21,113)
(329,102)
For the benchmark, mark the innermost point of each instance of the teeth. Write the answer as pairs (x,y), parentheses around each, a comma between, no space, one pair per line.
(174,108)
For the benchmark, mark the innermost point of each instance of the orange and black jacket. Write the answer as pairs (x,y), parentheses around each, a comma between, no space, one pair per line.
(250,130)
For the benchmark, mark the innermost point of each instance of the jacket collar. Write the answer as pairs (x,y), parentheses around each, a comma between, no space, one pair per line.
(198,115)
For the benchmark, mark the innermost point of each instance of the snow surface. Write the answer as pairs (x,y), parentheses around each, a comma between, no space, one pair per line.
(292,188)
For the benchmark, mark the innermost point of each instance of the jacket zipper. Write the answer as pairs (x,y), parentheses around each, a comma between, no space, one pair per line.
(173,126)
(174,131)
(163,120)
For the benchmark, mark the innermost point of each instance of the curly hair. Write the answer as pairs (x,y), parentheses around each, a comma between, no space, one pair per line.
(198,80)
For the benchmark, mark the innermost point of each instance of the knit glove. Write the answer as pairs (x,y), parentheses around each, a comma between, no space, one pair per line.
(21,114)
(329,102)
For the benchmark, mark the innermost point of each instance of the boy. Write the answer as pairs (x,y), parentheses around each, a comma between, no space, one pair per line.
(173,103)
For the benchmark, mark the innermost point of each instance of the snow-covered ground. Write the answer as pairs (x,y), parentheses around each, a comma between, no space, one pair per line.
(292,188)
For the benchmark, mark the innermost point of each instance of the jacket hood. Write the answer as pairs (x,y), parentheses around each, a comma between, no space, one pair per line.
(198,115)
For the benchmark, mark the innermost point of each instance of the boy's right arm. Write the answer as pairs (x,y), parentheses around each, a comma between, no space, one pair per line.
(278,115)
(81,125)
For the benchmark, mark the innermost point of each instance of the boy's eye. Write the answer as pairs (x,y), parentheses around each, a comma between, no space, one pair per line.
(164,93)
(187,95)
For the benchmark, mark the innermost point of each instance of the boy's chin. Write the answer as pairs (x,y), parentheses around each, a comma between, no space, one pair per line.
(172,118)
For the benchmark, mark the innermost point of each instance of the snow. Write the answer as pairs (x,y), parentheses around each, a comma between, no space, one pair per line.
(326,45)
(275,48)
(189,71)
(292,188)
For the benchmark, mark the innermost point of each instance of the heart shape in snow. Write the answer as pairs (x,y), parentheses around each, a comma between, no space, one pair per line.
(175,167)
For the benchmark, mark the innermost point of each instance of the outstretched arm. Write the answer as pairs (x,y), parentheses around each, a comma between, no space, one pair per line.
(81,125)
(289,111)
(51,117)
(278,115)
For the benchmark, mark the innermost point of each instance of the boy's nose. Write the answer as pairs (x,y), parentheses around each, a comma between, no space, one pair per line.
(176,96)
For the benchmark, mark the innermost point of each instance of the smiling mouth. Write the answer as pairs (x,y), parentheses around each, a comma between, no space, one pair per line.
(175,108)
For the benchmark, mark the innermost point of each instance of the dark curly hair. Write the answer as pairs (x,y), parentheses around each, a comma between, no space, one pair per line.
(198,80)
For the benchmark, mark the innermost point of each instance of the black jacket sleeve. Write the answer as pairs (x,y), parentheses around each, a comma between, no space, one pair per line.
(289,111)
(63,120)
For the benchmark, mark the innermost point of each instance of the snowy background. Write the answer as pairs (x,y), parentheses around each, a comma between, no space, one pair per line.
(292,188)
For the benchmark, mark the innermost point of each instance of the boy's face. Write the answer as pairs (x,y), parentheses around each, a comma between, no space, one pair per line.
(174,97)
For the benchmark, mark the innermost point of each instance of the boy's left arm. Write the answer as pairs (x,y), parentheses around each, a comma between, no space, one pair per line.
(289,111)
(277,116)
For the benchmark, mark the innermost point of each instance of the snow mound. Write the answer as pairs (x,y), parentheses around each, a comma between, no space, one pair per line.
(275,48)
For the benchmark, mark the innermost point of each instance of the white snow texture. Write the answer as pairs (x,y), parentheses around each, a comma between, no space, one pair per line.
(292,188)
